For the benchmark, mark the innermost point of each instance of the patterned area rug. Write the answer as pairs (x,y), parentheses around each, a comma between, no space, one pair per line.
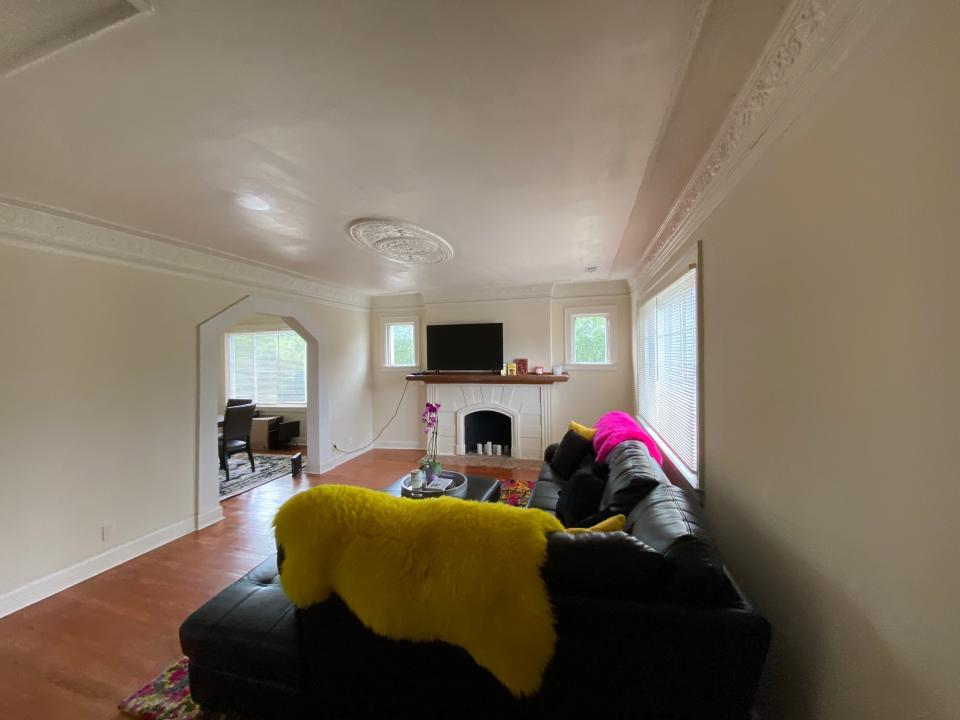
(242,478)
(516,492)
(167,697)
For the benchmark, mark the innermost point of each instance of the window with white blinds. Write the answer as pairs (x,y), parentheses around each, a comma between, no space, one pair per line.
(667,367)
(269,366)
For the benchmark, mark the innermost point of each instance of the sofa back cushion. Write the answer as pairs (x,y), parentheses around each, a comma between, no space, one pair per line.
(602,564)
(671,521)
(570,453)
(633,474)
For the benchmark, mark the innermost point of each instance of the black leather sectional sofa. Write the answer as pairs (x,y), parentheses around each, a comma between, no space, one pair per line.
(648,625)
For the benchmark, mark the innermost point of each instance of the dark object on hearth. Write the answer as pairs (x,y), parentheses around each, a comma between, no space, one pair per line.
(235,438)
(296,464)
(648,626)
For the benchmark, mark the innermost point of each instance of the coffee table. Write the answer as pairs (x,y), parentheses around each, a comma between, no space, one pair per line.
(479,488)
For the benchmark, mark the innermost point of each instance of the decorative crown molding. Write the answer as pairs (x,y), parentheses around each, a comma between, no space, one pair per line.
(457,295)
(28,227)
(811,40)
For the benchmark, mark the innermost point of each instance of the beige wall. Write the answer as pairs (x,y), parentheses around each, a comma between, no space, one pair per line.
(532,328)
(832,383)
(98,374)
(592,392)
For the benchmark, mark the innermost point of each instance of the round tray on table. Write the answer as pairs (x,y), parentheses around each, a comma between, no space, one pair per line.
(458,489)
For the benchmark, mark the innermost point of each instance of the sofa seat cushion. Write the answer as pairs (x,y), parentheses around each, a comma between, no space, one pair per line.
(580,497)
(671,521)
(545,496)
(248,630)
(633,474)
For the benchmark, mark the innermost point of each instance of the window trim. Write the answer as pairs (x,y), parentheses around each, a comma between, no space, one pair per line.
(691,259)
(570,313)
(253,329)
(385,342)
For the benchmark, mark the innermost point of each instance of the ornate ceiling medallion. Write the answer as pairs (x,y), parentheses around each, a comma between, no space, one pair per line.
(401,241)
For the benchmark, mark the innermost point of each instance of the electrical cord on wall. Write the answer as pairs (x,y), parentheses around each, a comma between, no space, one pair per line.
(383,429)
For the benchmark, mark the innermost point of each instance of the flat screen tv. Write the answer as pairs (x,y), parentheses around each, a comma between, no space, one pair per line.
(465,348)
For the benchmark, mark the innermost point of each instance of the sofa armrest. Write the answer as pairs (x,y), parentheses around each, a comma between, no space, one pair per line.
(249,630)
(550,451)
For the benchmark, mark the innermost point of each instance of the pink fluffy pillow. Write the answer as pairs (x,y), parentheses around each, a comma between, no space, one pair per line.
(615,427)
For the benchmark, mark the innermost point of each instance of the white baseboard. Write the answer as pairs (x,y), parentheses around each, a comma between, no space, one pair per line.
(399,445)
(62,579)
(339,458)
(209,517)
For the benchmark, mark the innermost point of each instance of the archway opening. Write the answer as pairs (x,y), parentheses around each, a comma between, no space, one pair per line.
(315,428)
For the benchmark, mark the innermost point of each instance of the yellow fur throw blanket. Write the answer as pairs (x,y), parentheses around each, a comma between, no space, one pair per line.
(466,573)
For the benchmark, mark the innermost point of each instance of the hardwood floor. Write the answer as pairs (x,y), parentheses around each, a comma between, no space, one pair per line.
(77,654)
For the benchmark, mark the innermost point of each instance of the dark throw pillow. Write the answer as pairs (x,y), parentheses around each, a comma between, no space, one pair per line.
(580,497)
(570,454)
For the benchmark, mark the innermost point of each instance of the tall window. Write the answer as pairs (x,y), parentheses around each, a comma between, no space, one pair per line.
(588,337)
(667,365)
(269,366)
(401,344)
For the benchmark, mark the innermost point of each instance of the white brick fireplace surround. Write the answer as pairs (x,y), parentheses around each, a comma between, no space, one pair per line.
(527,406)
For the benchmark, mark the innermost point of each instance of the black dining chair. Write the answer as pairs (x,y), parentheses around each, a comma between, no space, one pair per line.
(237,422)
(234,401)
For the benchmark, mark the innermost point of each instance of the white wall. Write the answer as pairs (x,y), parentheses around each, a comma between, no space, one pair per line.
(831,346)
(532,328)
(98,372)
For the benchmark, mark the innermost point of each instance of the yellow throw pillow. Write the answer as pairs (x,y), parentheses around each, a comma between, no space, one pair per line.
(611,524)
(583,431)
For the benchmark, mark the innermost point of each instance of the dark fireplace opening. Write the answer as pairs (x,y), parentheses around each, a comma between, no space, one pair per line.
(487,426)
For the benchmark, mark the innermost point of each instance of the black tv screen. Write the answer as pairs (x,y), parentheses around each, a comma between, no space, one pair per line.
(463,348)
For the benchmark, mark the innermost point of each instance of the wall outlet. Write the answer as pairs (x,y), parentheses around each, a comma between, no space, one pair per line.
(106,531)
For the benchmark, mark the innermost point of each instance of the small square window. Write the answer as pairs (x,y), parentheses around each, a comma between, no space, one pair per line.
(401,344)
(589,341)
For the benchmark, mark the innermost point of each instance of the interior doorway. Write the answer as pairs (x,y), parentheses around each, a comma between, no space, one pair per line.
(212,391)
(263,403)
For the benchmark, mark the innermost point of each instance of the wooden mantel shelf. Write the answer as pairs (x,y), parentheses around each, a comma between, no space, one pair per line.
(489,378)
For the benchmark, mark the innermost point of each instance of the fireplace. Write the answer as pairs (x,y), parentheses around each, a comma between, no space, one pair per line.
(524,410)
(487,426)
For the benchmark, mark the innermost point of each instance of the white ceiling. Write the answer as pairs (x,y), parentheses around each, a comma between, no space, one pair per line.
(518,131)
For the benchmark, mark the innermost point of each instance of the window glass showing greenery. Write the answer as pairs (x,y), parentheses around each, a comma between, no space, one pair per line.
(401,344)
(591,339)
(269,366)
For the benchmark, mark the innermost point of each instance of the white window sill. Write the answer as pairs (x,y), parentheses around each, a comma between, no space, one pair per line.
(590,366)
(401,368)
(675,461)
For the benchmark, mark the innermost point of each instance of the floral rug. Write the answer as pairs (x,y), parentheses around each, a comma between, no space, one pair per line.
(516,492)
(167,697)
